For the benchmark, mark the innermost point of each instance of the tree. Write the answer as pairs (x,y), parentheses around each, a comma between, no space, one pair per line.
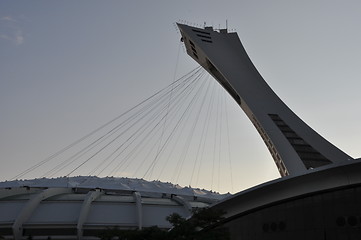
(202,225)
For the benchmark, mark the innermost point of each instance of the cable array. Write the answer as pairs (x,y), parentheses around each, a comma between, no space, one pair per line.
(165,136)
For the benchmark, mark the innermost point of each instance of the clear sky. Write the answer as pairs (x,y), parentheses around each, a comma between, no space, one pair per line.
(66,67)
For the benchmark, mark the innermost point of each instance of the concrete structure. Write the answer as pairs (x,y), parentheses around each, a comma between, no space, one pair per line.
(323,204)
(319,194)
(54,208)
(294,146)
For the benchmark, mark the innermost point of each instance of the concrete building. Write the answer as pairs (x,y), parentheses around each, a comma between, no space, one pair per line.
(294,146)
(82,207)
(319,193)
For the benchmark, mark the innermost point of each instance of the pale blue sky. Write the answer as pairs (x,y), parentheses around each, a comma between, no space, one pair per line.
(66,67)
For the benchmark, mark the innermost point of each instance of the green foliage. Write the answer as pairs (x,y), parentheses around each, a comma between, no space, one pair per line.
(200,226)
(144,234)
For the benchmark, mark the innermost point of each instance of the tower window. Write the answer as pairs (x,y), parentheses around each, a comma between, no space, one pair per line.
(310,157)
(192,43)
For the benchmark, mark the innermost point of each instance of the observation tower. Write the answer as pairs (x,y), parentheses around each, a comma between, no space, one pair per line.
(294,146)
(319,193)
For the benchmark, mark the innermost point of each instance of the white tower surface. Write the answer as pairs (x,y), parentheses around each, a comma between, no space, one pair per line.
(294,146)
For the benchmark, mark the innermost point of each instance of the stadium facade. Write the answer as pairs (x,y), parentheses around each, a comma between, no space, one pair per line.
(82,207)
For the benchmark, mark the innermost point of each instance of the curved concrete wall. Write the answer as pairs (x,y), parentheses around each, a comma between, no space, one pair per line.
(82,213)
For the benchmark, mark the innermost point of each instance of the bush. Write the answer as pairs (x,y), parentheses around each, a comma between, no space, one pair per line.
(202,225)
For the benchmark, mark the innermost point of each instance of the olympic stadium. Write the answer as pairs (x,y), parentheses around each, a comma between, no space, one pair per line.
(317,196)
(81,207)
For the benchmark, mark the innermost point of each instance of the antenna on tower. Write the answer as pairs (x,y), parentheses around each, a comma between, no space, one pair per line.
(226,24)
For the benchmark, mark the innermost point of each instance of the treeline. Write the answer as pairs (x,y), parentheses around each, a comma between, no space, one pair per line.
(199,227)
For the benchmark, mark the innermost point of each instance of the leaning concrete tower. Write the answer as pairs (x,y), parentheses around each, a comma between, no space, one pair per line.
(294,146)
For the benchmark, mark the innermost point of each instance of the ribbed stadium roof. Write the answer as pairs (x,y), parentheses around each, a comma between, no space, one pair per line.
(79,207)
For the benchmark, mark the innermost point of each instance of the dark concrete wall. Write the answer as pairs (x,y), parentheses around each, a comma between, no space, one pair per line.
(331,215)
